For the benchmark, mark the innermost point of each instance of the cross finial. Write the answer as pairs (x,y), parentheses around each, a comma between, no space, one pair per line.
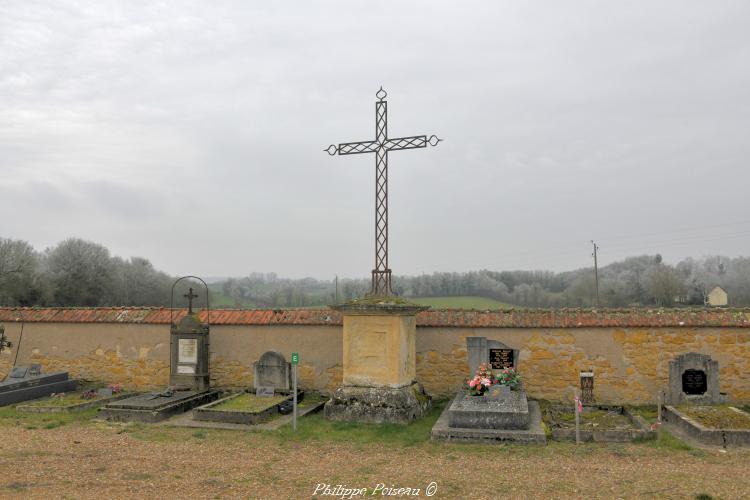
(190,296)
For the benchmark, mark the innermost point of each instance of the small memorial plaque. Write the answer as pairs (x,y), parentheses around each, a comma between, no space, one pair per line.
(104,392)
(694,382)
(18,372)
(501,359)
(187,352)
(186,369)
(264,391)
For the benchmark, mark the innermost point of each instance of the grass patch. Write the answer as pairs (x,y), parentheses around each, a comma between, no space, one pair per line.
(717,417)
(136,476)
(666,441)
(649,412)
(463,302)
(310,400)
(317,428)
(68,399)
(559,417)
(249,403)
(10,417)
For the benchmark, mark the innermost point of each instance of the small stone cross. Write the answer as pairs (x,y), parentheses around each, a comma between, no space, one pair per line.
(190,296)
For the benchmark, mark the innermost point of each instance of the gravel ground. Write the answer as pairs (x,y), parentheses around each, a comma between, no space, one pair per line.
(100,460)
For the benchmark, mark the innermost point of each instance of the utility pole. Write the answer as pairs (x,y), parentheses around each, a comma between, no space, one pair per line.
(596,272)
(336,300)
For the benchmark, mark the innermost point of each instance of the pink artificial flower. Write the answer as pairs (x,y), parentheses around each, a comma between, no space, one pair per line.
(472,383)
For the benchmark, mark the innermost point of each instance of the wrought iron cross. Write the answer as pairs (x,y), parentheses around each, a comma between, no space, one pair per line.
(381,275)
(190,296)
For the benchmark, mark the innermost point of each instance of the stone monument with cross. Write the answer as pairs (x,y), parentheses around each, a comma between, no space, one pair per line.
(379,335)
(189,350)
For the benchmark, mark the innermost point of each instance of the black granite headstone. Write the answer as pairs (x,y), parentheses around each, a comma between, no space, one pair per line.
(694,382)
(501,359)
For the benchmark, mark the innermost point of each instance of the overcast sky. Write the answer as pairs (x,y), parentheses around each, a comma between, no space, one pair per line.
(192,133)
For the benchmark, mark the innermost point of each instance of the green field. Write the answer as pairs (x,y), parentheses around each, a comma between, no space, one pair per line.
(461,302)
(219,300)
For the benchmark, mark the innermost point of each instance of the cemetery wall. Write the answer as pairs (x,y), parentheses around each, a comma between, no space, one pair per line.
(628,351)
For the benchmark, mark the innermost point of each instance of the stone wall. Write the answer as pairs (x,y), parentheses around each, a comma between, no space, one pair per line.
(629,364)
(629,355)
(137,355)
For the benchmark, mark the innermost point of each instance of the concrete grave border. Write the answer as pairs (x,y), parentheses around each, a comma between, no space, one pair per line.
(717,437)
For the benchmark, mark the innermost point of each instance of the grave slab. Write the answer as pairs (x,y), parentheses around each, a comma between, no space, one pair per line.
(27,383)
(152,407)
(534,434)
(676,419)
(483,412)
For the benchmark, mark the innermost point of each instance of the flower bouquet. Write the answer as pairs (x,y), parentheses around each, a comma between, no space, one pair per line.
(482,381)
(509,377)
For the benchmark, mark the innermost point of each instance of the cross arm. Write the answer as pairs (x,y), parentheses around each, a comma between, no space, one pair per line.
(413,142)
(352,148)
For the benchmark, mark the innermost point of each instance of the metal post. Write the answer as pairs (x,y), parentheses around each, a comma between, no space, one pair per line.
(596,272)
(294,418)
(576,403)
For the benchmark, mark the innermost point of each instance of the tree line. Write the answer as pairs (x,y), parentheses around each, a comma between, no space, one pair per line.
(79,273)
(636,281)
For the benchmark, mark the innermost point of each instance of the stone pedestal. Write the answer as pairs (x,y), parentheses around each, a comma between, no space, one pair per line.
(379,364)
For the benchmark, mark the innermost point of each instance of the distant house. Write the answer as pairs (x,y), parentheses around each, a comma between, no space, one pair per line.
(717,297)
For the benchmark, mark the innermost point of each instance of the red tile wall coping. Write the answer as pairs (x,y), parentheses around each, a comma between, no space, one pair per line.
(461,318)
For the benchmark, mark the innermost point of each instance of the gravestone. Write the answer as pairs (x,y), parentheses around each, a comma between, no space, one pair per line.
(272,370)
(694,378)
(500,414)
(28,382)
(493,352)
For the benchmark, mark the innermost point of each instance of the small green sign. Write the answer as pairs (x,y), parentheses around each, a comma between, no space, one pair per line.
(295,358)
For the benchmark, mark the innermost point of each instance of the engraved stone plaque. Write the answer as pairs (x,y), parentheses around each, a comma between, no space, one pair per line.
(187,352)
(186,369)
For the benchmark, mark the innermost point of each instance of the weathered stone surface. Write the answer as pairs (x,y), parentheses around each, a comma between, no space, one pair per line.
(482,412)
(272,370)
(378,405)
(379,349)
(534,434)
(675,419)
(153,408)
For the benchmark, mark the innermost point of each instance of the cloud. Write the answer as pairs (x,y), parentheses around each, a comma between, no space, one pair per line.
(137,123)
